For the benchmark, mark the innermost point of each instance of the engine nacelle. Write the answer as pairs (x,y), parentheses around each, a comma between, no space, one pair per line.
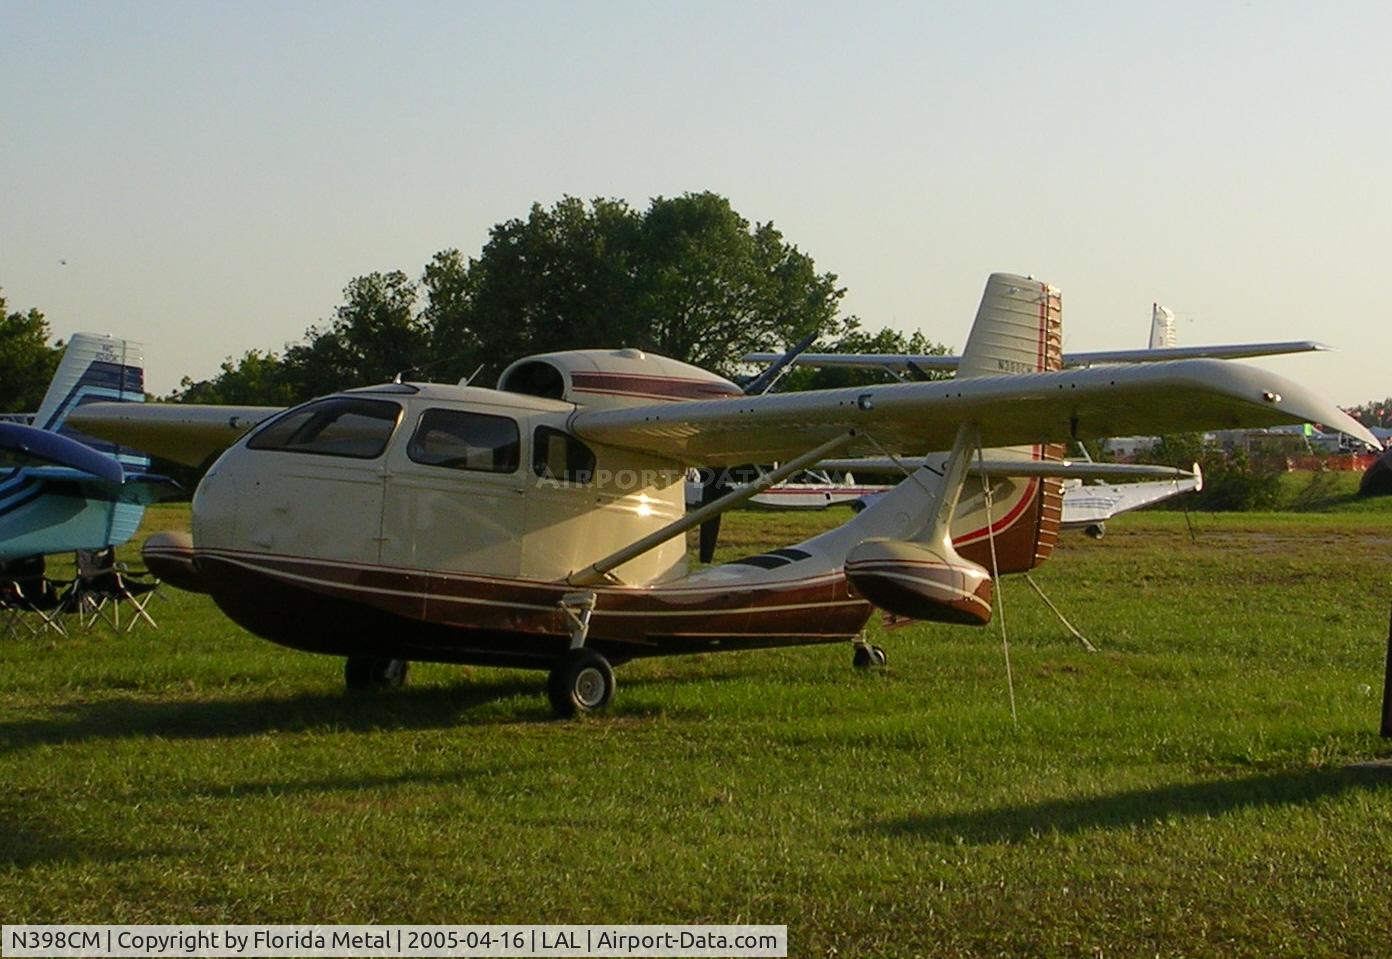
(920,581)
(607,379)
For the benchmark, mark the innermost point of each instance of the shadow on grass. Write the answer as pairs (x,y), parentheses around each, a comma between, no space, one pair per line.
(28,839)
(231,717)
(1141,807)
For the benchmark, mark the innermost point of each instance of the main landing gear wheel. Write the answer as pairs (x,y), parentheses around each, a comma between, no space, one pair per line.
(374,672)
(581,682)
(1096,530)
(868,656)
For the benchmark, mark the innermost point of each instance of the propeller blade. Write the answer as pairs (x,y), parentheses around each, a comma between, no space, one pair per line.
(712,489)
(710,536)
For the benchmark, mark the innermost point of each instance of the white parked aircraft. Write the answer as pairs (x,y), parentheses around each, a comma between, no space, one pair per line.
(540,524)
(1086,505)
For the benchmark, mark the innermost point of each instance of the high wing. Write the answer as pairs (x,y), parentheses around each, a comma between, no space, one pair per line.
(902,362)
(186,434)
(1093,402)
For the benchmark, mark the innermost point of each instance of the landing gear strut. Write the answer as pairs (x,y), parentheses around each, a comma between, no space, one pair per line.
(374,672)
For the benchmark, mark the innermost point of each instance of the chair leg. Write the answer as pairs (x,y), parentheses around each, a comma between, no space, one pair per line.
(51,621)
(138,610)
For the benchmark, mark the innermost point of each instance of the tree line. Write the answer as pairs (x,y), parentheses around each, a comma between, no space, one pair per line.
(687,277)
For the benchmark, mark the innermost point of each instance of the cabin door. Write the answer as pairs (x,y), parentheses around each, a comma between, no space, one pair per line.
(453,496)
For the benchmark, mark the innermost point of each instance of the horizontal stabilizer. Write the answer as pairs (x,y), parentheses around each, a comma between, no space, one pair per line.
(1058,469)
(31,446)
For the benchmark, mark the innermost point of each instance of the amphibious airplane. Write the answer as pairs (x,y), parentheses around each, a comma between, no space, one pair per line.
(540,524)
(61,491)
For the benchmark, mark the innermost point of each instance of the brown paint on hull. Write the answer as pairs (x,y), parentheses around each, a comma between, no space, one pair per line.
(344,609)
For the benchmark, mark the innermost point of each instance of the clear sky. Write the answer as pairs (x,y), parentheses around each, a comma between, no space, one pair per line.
(214,174)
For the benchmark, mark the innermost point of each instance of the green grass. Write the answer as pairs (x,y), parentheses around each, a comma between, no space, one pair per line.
(1181,792)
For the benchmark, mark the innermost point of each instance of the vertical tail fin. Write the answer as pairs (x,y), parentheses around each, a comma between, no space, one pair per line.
(1018,329)
(1162,332)
(95,367)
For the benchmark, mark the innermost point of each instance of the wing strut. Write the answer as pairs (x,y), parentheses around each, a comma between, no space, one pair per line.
(601,571)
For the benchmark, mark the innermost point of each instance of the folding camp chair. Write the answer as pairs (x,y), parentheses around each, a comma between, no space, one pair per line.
(102,585)
(24,589)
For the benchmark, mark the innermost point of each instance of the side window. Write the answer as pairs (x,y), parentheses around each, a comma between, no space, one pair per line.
(341,426)
(557,455)
(460,440)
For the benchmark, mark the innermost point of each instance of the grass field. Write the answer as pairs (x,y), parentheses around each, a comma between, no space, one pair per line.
(1181,792)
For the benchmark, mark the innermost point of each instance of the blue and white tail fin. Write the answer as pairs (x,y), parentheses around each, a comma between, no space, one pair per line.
(95,368)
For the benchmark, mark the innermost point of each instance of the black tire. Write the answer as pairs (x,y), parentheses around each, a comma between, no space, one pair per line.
(1096,531)
(868,656)
(374,672)
(582,682)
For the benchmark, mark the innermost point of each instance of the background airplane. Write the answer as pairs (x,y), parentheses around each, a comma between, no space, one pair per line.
(1161,349)
(1091,495)
(66,491)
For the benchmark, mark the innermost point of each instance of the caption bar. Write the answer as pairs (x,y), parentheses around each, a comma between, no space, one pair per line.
(343,940)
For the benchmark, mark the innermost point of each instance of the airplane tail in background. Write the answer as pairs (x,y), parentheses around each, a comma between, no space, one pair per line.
(95,368)
(1162,334)
(56,509)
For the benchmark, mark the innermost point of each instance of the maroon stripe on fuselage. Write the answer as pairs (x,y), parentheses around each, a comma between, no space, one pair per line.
(659,387)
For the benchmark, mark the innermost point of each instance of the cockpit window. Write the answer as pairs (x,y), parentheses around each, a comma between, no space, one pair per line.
(461,440)
(558,456)
(341,426)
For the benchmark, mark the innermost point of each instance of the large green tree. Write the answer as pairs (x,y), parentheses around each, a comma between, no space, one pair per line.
(375,334)
(27,361)
(688,278)
(257,379)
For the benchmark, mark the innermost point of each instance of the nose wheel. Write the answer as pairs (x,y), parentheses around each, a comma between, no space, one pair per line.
(583,681)
(867,656)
